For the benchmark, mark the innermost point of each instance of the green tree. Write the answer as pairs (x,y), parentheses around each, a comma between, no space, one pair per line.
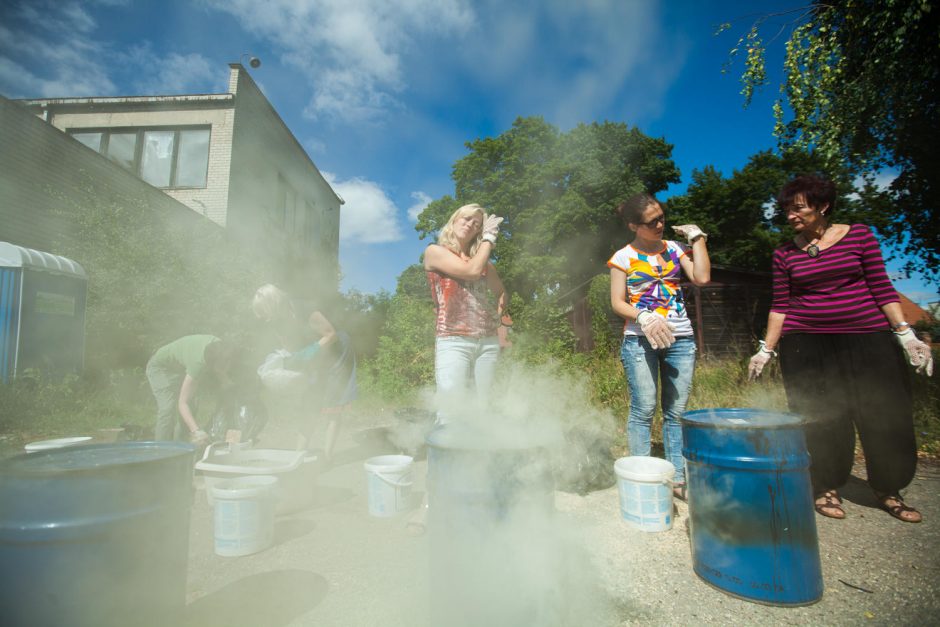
(556,192)
(152,279)
(404,358)
(739,213)
(861,89)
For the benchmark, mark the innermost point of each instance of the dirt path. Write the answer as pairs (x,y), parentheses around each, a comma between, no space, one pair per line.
(332,564)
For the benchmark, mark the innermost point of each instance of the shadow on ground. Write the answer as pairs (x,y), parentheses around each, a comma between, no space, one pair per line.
(271,599)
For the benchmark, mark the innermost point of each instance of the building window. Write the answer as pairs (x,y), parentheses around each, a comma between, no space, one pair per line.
(164,157)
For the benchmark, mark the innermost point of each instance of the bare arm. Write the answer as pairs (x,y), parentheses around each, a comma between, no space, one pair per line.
(699,267)
(502,302)
(774,327)
(439,259)
(893,313)
(496,286)
(187,391)
(618,295)
(323,328)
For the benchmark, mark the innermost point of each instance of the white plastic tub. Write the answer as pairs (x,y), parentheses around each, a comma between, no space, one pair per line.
(47,445)
(296,472)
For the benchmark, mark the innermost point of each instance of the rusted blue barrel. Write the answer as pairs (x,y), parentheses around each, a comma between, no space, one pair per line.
(751,505)
(96,535)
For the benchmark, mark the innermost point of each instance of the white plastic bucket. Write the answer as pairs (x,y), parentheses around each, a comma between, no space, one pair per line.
(296,472)
(46,445)
(244,514)
(390,479)
(645,487)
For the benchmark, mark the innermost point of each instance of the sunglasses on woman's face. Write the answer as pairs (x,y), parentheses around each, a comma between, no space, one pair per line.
(652,224)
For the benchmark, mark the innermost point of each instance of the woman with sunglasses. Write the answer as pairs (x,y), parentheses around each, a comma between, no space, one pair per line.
(837,322)
(658,346)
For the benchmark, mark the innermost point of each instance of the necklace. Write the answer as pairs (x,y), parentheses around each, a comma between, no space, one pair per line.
(813,250)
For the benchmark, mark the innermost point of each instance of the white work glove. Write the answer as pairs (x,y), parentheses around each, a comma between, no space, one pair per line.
(918,353)
(656,329)
(760,359)
(199,437)
(491,228)
(691,232)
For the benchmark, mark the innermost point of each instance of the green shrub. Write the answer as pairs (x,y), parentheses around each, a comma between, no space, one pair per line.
(404,360)
(33,407)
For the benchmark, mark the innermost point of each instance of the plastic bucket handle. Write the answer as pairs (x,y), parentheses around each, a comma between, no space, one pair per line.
(389,481)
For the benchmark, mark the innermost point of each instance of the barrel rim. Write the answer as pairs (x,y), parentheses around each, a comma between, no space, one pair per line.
(30,464)
(793,421)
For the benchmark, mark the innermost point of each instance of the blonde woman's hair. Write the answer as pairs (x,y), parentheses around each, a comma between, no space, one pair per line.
(447,239)
(270,302)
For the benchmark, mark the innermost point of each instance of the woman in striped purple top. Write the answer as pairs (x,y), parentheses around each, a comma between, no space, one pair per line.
(839,325)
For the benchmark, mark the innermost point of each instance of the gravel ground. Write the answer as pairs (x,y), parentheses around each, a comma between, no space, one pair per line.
(333,564)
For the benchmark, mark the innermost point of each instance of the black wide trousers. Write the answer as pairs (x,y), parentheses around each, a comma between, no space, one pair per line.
(842,382)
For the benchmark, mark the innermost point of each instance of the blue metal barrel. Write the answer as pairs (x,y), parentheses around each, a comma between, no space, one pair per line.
(96,535)
(751,505)
(487,499)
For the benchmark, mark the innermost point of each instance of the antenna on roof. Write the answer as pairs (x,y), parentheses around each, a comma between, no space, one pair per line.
(254,62)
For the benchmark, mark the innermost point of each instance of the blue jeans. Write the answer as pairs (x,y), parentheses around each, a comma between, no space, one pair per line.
(464,368)
(644,366)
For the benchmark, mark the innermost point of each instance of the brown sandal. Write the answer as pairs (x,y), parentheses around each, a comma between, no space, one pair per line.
(901,510)
(829,504)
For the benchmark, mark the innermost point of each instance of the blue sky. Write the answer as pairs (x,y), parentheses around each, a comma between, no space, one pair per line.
(383,94)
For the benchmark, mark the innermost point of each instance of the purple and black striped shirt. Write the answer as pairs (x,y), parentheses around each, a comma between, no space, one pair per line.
(840,291)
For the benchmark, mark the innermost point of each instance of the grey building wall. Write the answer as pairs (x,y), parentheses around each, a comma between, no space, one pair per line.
(214,110)
(261,185)
(278,198)
(45,175)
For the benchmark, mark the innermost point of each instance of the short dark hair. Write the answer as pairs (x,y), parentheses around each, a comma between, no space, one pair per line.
(220,355)
(631,210)
(817,191)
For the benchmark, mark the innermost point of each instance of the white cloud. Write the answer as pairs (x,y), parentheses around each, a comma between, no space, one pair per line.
(53,49)
(349,50)
(174,73)
(70,61)
(314,145)
(422,200)
(571,60)
(369,215)
(881,180)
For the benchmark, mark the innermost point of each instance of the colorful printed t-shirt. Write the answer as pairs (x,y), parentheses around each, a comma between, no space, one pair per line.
(654,287)
(465,308)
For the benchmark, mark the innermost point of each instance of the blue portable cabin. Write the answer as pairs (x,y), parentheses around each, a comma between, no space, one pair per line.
(42,312)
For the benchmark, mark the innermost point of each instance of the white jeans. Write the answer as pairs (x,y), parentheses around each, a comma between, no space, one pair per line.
(464,368)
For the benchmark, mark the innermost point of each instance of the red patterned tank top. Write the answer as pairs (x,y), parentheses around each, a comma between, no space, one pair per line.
(464,308)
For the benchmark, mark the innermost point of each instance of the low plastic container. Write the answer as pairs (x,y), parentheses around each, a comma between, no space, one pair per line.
(296,472)
(244,514)
(645,487)
(389,478)
(48,445)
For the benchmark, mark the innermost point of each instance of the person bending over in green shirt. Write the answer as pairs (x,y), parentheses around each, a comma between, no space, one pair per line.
(175,372)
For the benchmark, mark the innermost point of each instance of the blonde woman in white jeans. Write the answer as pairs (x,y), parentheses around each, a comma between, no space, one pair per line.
(470,298)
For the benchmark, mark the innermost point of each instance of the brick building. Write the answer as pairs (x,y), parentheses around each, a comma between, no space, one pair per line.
(227,157)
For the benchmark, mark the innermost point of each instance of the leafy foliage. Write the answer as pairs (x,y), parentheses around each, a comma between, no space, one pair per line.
(861,89)
(153,278)
(404,357)
(556,192)
(739,213)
